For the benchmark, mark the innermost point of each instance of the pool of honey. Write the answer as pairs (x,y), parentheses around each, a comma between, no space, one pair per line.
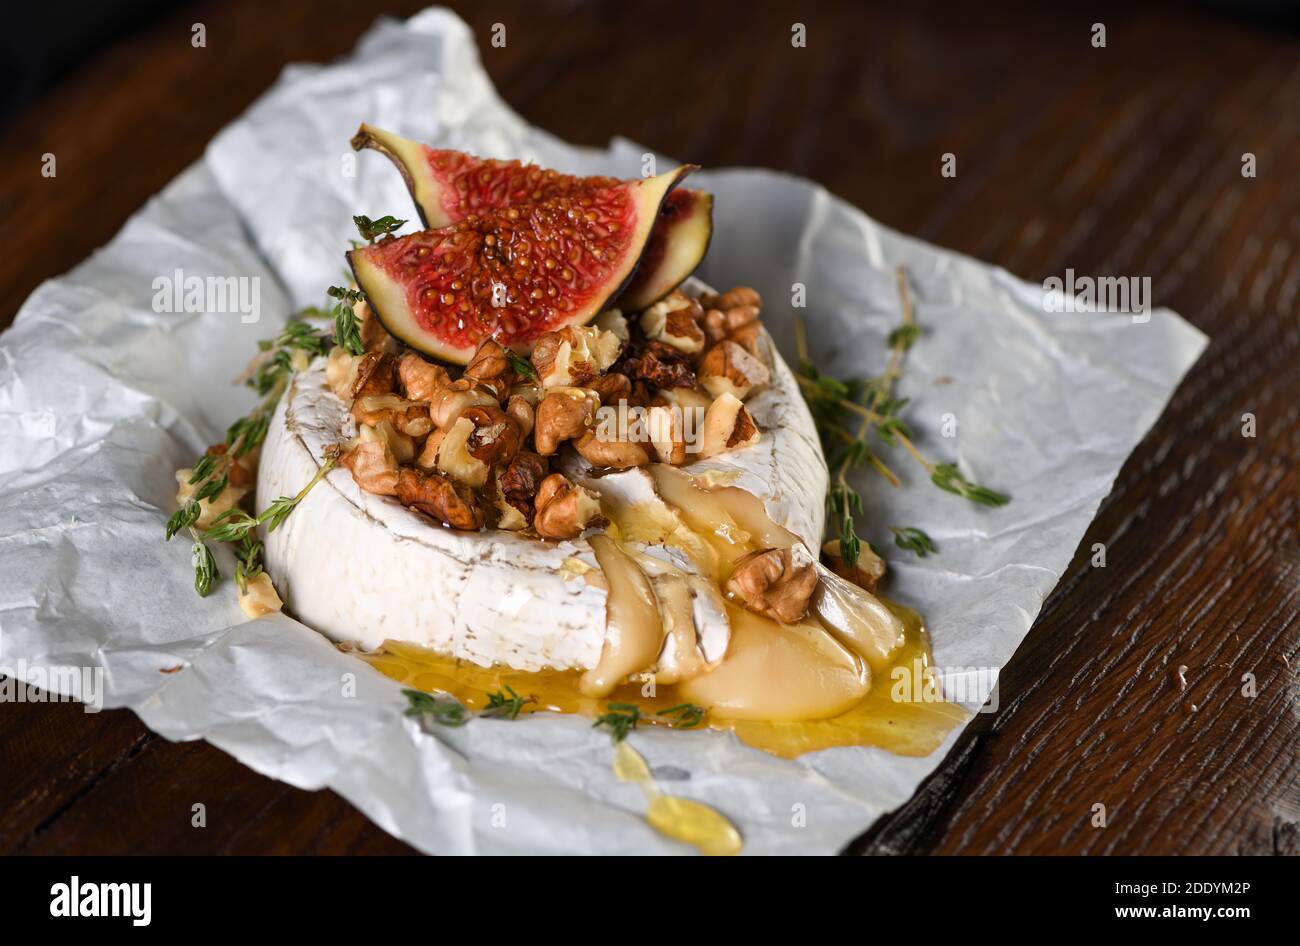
(911,727)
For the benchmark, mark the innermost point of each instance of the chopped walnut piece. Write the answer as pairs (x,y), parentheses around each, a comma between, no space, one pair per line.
(521,410)
(402,446)
(688,399)
(420,379)
(658,364)
(865,572)
(613,320)
(341,372)
(439,497)
(772,583)
(739,296)
(664,426)
(574,355)
(428,457)
(727,426)
(643,395)
(564,509)
(519,481)
(675,321)
(373,466)
(496,437)
(733,315)
(258,597)
(490,369)
(453,456)
(532,393)
(376,374)
(409,417)
(728,368)
(448,401)
(614,454)
(612,388)
(563,415)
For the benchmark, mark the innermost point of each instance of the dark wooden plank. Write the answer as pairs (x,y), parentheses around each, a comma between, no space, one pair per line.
(1124,160)
(101,784)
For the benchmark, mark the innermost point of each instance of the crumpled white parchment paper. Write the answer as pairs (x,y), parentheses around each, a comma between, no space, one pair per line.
(102,397)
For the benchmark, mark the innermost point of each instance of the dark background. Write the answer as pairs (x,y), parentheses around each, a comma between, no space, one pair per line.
(1117,161)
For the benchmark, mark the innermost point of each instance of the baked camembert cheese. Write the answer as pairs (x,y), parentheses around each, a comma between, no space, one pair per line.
(535,457)
(583,519)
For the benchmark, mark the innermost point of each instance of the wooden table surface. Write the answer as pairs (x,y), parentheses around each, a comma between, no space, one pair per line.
(1124,160)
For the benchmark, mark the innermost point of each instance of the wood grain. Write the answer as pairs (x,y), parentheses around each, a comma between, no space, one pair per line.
(1125,160)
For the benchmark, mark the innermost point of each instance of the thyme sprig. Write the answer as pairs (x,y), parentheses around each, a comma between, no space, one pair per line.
(248,562)
(370,230)
(914,540)
(347,329)
(235,525)
(683,715)
(620,720)
(444,712)
(268,374)
(506,704)
(205,565)
(836,403)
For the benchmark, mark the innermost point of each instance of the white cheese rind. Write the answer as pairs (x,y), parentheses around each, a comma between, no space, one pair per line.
(786,468)
(364,568)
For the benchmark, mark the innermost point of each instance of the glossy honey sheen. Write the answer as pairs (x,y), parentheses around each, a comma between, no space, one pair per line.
(904,728)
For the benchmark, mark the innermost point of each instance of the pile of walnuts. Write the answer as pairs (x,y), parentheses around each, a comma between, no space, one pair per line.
(476,450)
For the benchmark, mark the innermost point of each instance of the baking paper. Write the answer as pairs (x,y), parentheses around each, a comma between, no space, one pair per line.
(104,392)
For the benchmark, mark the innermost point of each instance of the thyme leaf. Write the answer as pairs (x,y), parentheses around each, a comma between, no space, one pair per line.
(506,704)
(233,525)
(914,540)
(904,336)
(522,366)
(683,715)
(370,229)
(183,518)
(444,712)
(249,562)
(205,566)
(620,720)
(347,330)
(948,478)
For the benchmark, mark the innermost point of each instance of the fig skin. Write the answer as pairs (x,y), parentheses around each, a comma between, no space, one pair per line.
(429,289)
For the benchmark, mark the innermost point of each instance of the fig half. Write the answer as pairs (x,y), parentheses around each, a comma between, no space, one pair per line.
(512,272)
(449,185)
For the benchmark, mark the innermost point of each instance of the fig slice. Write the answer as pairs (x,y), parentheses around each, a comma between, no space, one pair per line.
(448,185)
(512,272)
(677,245)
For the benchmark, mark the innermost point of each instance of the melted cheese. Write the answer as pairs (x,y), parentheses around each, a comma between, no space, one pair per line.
(635,632)
(780,671)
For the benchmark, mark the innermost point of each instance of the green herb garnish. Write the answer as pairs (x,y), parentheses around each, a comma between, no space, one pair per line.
(347,329)
(906,537)
(506,704)
(444,712)
(947,477)
(205,566)
(620,720)
(370,229)
(683,715)
(835,402)
(522,366)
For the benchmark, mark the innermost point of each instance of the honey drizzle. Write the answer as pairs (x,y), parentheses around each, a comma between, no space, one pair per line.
(904,728)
